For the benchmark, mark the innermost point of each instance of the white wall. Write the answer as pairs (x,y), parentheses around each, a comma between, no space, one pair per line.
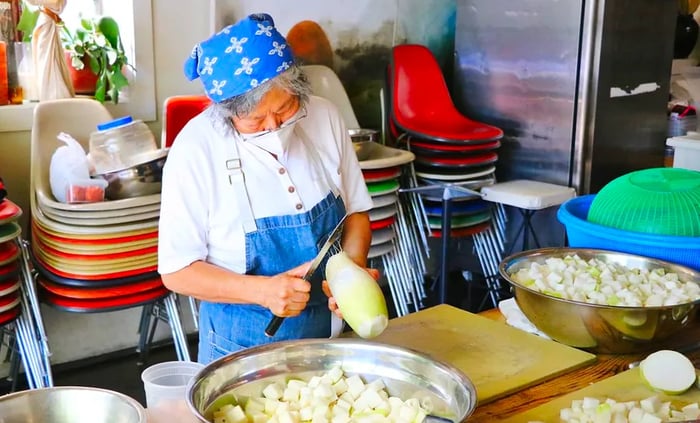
(177,26)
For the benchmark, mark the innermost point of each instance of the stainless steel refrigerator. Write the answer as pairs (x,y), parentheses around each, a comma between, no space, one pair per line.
(579,87)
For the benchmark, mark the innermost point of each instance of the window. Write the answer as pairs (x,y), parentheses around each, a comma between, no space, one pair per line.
(135,22)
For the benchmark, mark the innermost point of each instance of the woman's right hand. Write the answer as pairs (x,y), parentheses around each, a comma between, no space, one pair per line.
(288,293)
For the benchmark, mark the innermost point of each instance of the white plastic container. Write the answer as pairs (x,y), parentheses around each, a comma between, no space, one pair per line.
(165,384)
(118,144)
(686,152)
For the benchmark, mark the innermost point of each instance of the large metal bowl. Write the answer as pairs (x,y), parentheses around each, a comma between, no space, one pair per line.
(138,180)
(604,328)
(406,373)
(70,404)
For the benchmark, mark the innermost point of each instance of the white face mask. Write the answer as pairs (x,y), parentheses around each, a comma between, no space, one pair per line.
(275,142)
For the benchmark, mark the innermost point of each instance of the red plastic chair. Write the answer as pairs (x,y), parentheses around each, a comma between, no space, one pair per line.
(421,104)
(177,111)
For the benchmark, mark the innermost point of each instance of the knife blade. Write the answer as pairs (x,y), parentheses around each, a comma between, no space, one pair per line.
(276,321)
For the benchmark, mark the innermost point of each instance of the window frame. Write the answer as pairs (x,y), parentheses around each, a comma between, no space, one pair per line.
(141,99)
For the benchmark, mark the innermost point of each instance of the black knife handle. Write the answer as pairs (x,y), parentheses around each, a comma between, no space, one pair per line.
(274,324)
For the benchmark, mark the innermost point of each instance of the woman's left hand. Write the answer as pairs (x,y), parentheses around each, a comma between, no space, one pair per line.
(332,304)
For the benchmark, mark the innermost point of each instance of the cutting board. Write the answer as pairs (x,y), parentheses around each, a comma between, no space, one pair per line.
(497,358)
(625,386)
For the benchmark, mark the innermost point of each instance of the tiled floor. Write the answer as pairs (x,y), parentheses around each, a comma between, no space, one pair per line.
(121,371)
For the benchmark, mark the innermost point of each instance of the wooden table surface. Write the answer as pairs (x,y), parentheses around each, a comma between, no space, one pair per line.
(606,366)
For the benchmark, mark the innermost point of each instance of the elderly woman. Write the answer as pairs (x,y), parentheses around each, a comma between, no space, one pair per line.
(251,189)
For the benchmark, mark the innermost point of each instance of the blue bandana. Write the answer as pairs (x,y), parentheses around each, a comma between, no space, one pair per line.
(239,57)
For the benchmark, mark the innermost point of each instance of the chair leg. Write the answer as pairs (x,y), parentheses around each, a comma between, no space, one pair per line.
(142,347)
(194,309)
(179,338)
(14,363)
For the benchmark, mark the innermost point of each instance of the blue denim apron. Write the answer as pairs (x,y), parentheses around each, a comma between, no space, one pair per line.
(273,245)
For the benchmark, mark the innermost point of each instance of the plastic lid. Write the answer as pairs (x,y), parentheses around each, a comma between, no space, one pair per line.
(115,123)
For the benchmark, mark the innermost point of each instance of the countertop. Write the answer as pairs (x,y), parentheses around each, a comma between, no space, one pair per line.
(515,403)
(606,366)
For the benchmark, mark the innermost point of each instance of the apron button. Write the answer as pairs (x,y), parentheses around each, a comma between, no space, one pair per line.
(291,189)
(281,171)
(299,206)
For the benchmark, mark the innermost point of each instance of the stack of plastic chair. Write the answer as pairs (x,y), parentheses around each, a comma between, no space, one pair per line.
(99,256)
(455,158)
(21,327)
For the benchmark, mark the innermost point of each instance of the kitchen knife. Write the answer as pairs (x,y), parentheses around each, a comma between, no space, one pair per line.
(333,237)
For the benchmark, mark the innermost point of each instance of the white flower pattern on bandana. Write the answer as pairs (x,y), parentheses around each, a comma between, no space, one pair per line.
(264,29)
(236,45)
(246,66)
(217,86)
(239,57)
(277,49)
(209,65)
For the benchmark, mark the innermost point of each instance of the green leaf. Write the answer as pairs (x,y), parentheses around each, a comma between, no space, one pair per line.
(94,65)
(109,27)
(27,22)
(119,80)
(101,89)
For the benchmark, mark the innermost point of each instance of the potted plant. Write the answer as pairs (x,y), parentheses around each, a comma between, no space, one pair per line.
(96,46)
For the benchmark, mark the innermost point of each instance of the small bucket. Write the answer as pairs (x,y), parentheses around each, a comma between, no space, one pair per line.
(167,382)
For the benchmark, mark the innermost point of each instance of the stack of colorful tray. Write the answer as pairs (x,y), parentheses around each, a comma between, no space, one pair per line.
(94,256)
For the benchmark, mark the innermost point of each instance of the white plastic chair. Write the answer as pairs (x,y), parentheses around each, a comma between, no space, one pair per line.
(325,83)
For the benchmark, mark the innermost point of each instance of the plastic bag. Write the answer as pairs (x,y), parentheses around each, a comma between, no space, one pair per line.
(69,174)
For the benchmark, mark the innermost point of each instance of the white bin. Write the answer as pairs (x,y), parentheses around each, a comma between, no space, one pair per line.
(686,151)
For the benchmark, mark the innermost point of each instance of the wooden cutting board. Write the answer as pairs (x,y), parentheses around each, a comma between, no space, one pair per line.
(498,358)
(625,386)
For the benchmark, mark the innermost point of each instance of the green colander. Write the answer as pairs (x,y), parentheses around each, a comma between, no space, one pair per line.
(663,201)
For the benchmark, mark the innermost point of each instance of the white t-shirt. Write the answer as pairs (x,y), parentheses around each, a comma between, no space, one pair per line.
(200,217)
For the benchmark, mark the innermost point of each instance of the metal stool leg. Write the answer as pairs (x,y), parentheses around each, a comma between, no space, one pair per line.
(178,332)
(144,324)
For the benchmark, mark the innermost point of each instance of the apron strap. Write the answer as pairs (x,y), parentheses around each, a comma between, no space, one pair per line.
(237,181)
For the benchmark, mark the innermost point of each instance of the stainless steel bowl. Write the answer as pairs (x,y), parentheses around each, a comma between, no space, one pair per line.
(604,328)
(70,404)
(406,373)
(141,179)
(364,141)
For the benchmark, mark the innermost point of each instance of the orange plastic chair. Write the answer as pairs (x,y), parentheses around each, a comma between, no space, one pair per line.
(421,104)
(177,111)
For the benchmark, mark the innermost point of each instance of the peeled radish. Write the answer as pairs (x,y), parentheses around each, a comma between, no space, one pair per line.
(668,371)
(358,295)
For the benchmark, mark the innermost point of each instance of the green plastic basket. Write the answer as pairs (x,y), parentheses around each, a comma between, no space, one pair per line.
(664,201)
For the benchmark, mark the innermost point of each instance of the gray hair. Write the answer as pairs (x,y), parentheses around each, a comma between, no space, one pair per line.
(293,80)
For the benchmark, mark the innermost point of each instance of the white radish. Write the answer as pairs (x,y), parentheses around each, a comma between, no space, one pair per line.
(668,371)
(358,295)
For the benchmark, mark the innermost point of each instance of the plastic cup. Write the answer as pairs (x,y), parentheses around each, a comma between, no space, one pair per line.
(165,383)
